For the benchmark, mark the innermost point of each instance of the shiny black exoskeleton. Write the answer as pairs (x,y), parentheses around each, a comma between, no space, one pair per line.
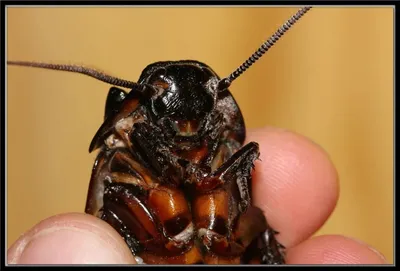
(177,133)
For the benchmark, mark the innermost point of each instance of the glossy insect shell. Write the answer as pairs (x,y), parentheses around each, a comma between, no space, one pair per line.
(188,98)
(172,176)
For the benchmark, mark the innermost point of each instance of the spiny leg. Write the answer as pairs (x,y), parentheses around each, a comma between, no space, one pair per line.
(153,219)
(136,221)
(272,252)
(122,210)
(147,220)
(223,232)
(236,170)
(243,223)
(115,165)
(221,199)
(148,141)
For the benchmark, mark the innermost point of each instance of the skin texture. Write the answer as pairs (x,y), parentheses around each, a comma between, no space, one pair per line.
(295,184)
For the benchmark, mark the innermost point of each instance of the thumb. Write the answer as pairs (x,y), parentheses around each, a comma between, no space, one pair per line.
(71,238)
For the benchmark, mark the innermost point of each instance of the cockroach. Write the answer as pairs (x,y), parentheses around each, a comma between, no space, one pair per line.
(172,175)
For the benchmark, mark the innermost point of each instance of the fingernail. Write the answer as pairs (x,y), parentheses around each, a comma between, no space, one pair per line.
(67,246)
(71,243)
(379,254)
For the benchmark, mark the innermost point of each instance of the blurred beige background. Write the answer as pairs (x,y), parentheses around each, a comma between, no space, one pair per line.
(330,78)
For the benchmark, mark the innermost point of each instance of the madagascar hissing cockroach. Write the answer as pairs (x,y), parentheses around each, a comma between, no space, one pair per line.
(172,175)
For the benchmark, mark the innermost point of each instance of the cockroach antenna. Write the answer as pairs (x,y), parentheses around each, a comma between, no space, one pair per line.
(226,82)
(222,84)
(78,69)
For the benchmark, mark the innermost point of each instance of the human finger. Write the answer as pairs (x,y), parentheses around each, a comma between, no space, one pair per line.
(71,238)
(334,249)
(295,183)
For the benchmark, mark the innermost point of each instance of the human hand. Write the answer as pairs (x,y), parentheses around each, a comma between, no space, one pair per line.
(295,185)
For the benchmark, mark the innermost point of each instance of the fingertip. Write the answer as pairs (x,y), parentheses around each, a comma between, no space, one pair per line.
(334,249)
(71,238)
(295,183)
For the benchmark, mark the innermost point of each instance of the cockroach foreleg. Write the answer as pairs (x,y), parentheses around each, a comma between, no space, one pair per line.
(221,203)
(149,143)
(234,224)
(236,169)
(214,128)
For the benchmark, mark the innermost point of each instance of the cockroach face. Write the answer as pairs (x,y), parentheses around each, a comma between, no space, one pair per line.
(186,99)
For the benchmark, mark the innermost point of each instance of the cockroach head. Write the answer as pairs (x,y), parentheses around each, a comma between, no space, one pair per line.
(187,88)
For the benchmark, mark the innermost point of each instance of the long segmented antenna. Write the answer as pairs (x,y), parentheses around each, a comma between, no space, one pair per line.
(222,84)
(226,82)
(78,69)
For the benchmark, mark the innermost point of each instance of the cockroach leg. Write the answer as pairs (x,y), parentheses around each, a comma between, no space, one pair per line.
(145,217)
(116,165)
(233,224)
(141,209)
(149,143)
(271,250)
(236,169)
(94,199)
(125,212)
